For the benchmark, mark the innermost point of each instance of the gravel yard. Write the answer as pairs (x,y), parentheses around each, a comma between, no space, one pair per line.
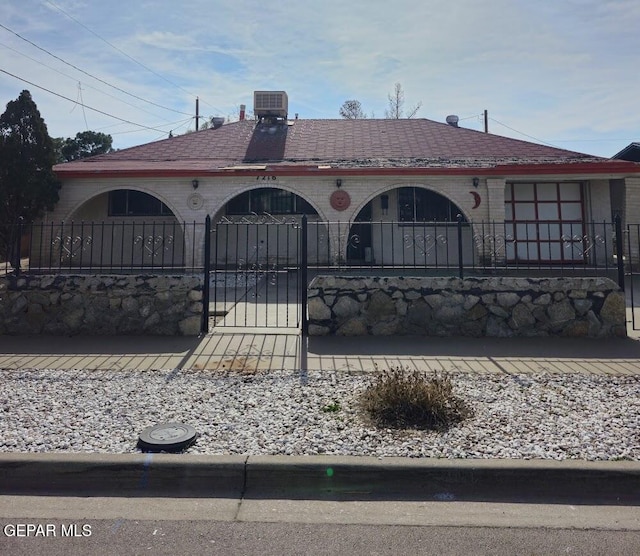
(553,416)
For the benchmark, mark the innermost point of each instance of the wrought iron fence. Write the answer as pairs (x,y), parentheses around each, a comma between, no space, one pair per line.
(115,247)
(260,245)
(543,247)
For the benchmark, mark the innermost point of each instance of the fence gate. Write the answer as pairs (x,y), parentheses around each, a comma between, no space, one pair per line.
(255,274)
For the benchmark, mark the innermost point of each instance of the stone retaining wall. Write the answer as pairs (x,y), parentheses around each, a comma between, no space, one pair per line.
(503,307)
(101,305)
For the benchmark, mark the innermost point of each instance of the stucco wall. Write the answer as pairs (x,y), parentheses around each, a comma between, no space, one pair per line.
(503,307)
(101,305)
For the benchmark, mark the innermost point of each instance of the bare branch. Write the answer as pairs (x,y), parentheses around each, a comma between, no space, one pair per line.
(396,105)
(352,110)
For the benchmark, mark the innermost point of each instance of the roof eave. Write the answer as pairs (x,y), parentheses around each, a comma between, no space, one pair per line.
(605,167)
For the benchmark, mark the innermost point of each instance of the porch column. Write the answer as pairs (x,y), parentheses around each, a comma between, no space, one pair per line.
(495,199)
(631,217)
(339,241)
(194,245)
(492,247)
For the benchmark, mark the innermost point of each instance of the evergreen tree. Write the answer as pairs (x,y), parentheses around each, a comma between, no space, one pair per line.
(28,186)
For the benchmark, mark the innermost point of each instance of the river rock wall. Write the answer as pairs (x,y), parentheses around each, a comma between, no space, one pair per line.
(101,305)
(499,307)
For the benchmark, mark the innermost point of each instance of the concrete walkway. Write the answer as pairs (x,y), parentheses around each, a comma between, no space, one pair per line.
(251,350)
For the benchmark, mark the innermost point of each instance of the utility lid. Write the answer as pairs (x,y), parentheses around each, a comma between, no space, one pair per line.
(167,437)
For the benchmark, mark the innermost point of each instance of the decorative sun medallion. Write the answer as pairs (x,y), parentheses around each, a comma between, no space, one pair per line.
(340,200)
(195,201)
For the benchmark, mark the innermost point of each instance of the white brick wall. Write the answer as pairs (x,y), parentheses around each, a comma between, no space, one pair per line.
(85,198)
(598,201)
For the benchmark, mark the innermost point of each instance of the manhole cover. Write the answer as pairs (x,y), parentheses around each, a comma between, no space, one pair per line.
(167,437)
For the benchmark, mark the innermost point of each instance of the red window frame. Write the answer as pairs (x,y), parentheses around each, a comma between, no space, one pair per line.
(534,241)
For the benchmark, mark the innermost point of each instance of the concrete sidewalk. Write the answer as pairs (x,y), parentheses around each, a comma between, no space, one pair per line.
(262,349)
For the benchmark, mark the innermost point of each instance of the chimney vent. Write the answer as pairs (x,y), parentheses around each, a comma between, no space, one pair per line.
(242,112)
(452,120)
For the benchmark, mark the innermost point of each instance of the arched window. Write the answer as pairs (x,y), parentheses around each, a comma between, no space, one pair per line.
(127,202)
(269,200)
(416,204)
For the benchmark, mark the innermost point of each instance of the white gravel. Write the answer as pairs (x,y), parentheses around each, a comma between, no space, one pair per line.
(569,416)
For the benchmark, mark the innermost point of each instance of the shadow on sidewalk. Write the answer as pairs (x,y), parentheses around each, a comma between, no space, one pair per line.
(421,346)
(105,345)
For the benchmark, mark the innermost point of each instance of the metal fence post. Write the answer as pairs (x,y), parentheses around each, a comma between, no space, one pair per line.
(460,264)
(619,251)
(303,293)
(16,246)
(206,286)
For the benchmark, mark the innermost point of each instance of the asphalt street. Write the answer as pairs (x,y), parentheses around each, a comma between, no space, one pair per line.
(125,537)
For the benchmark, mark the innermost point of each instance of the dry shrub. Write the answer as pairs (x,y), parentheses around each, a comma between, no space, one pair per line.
(404,399)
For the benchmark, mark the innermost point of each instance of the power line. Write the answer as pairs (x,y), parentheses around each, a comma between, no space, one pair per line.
(84,114)
(84,105)
(89,74)
(592,140)
(470,117)
(553,140)
(521,133)
(124,53)
(74,79)
(179,123)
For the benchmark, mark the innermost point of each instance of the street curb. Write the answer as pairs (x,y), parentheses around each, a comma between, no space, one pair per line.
(122,475)
(320,478)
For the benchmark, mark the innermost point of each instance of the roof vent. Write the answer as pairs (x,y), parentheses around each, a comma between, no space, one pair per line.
(270,104)
(217,122)
(453,120)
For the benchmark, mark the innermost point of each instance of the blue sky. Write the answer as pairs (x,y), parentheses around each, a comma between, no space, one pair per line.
(564,72)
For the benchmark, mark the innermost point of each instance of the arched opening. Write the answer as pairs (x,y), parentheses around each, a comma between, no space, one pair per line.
(132,203)
(122,204)
(268,201)
(122,229)
(408,226)
(258,229)
(417,204)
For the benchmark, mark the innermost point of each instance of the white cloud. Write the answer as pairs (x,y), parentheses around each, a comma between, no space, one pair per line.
(554,70)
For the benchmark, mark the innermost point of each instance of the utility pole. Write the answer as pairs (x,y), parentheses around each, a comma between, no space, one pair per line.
(486,121)
(197,112)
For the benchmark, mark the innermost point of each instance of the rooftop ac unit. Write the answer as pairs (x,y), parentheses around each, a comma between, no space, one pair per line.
(270,104)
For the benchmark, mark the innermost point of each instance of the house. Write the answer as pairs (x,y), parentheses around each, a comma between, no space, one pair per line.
(631,152)
(415,175)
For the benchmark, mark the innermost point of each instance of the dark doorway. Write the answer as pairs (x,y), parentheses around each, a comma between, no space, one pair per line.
(359,246)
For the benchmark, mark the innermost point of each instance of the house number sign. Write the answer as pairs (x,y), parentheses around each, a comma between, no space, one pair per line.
(266,178)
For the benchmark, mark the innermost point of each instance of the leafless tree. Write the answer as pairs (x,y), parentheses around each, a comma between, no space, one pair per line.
(352,110)
(396,105)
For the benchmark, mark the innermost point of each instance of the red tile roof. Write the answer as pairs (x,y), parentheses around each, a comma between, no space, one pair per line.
(343,144)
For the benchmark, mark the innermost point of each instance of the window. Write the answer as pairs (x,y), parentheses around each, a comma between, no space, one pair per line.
(126,202)
(546,221)
(269,200)
(421,205)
